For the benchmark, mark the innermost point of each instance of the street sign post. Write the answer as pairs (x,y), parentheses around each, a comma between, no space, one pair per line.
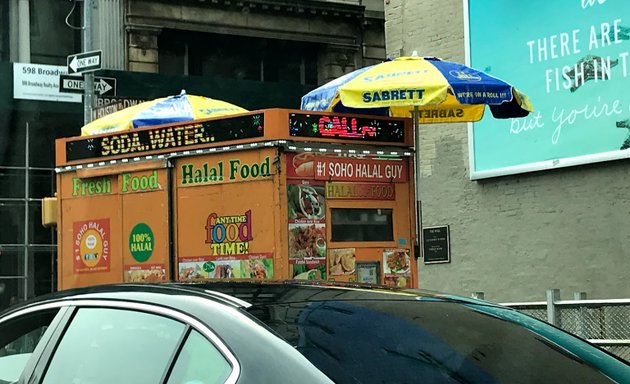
(75,84)
(85,62)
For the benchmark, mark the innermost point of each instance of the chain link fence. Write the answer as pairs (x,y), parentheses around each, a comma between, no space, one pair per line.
(534,309)
(605,323)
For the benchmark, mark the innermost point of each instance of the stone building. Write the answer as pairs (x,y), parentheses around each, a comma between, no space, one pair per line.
(308,42)
(513,236)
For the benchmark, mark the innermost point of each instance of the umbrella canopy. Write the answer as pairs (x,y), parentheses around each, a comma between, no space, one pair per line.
(437,91)
(164,110)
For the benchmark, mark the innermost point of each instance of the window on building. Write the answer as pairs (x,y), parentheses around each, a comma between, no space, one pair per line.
(237,57)
(12,185)
(11,263)
(43,262)
(28,250)
(12,212)
(4,31)
(12,145)
(38,234)
(361,224)
(51,39)
(11,291)
(14,285)
(42,183)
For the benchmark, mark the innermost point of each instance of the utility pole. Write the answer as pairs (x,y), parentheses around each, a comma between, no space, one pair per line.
(23,32)
(88,77)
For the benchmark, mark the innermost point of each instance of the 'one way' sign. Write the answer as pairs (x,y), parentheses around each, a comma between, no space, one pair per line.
(75,84)
(85,62)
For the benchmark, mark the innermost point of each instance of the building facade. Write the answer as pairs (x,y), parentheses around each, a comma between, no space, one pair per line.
(254,53)
(516,235)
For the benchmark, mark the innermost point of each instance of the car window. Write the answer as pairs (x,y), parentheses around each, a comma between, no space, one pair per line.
(104,346)
(412,341)
(199,362)
(19,336)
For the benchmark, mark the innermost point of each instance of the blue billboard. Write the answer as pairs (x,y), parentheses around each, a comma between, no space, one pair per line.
(571,58)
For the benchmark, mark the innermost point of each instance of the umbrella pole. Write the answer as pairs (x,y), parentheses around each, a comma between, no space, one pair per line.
(416,166)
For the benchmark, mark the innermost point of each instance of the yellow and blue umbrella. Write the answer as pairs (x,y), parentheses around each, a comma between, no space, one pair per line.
(172,109)
(434,90)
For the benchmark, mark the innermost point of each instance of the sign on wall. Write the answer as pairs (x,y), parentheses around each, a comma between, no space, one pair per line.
(91,246)
(436,244)
(226,227)
(40,82)
(571,58)
(369,170)
(331,167)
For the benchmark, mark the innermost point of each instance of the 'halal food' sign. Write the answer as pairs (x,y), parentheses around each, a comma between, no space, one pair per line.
(232,170)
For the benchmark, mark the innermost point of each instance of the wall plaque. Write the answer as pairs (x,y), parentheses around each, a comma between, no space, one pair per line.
(436,245)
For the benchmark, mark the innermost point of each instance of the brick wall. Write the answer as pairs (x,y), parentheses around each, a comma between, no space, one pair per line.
(511,237)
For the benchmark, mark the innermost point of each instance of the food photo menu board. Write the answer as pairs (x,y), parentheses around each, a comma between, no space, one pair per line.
(397,267)
(342,262)
(306,200)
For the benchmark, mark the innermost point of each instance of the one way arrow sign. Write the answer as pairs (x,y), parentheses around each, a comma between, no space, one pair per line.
(85,62)
(74,84)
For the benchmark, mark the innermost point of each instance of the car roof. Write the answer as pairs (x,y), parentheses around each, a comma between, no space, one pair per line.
(245,293)
(258,292)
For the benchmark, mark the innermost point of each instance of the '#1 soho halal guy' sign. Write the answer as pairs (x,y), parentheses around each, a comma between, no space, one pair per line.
(572,58)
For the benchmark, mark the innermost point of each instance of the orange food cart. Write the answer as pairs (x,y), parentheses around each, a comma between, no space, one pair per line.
(270,194)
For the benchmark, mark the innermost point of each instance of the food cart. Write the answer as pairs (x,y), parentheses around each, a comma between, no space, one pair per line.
(270,194)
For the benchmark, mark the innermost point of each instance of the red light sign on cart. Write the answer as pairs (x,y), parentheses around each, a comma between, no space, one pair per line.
(345,169)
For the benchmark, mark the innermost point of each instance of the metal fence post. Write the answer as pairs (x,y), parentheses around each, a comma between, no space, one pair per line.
(478,295)
(581,320)
(553,295)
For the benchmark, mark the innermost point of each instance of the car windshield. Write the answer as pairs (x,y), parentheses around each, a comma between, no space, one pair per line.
(410,341)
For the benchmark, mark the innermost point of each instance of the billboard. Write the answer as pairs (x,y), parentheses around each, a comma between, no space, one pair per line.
(571,58)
